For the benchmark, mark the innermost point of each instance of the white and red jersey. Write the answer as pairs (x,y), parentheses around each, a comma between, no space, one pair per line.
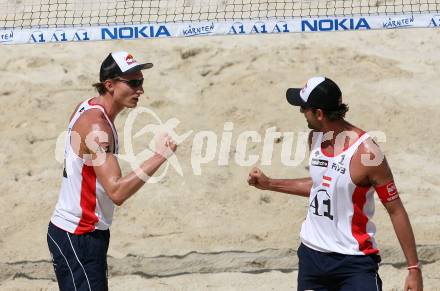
(83,205)
(340,212)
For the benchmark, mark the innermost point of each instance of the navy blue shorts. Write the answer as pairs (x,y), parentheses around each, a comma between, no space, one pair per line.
(79,261)
(320,271)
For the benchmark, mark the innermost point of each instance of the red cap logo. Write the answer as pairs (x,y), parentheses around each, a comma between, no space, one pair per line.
(129,59)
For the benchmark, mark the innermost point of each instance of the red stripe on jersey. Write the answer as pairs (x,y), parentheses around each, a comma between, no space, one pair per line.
(96,104)
(360,220)
(327,178)
(326,184)
(88,201)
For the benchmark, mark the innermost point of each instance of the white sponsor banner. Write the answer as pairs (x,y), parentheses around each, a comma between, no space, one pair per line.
(145,31)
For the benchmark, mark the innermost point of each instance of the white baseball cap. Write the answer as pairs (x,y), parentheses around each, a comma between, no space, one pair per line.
(119,63)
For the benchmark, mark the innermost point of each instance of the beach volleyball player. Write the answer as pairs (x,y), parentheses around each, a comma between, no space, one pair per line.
(78,233)
(338,250)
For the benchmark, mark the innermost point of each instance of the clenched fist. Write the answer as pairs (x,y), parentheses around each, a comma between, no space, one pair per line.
(165,145)
(258,179)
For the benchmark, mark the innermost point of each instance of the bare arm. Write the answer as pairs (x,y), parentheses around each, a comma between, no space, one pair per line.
(108,172)
(300,187)
(403,229)
(119,188)
(405,235)
(382,175)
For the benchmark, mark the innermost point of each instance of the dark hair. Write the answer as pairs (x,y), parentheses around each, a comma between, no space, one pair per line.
(109,71)
(100,87)
(333,115)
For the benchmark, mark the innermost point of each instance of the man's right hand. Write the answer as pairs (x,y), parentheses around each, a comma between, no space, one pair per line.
(258,179)
(165,145)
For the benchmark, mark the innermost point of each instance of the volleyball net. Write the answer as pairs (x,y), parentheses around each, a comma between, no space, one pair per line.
(42,21)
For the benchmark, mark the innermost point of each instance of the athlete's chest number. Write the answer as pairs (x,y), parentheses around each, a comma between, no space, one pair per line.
(321,204)
(64,169)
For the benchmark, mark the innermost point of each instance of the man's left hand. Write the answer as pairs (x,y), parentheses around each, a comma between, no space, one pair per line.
(414,281)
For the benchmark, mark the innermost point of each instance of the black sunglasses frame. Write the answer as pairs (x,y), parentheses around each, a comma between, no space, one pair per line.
(132,83)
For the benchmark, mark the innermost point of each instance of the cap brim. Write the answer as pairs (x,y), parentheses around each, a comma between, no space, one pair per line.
(294,98)
(139,68)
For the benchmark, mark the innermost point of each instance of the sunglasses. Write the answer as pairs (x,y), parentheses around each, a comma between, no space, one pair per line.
(132,83)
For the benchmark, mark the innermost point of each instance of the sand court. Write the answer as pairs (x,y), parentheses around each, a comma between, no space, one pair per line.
(212,231)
